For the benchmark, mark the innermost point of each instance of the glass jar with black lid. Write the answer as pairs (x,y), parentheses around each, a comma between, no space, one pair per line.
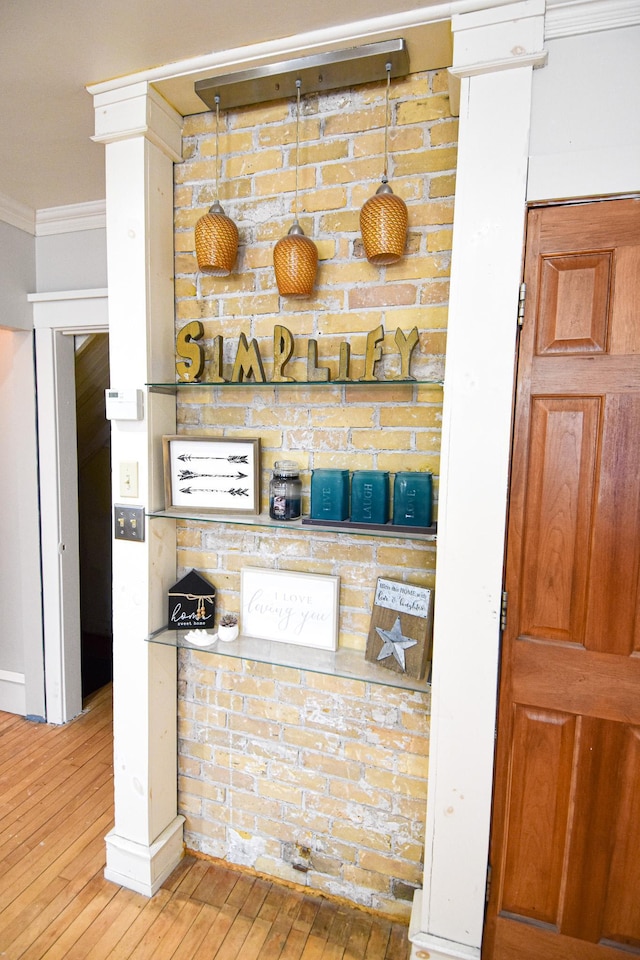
(285,491)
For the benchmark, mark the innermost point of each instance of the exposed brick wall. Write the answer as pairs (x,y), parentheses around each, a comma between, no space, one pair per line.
(315,762)
(276,762)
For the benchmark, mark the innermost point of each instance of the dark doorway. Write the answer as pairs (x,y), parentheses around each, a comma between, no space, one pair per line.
(94,507)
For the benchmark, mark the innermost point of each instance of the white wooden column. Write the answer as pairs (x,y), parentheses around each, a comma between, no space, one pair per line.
(142,134)
(495,52)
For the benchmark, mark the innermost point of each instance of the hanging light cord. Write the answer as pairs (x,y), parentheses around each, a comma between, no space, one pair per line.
(298,85)
(217,99)
(385,178)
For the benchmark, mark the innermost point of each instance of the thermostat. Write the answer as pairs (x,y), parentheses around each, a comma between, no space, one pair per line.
(123,404)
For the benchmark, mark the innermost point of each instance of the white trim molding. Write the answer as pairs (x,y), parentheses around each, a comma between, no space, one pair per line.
(568,18)
(142,867)
(53,220)
(55,315)
(142,137)
(17,214)
(217,62)
(138,110)
(13,697)
(448,915)
(71,218)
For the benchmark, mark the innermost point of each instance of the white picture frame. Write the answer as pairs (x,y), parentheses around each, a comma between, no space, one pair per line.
(290,607)
(212,474)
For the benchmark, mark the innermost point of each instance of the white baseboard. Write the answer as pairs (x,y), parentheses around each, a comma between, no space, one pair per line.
(426,945)
(141,868)
(13,697)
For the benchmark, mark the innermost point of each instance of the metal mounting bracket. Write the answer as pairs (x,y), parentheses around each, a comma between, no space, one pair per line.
(319,72)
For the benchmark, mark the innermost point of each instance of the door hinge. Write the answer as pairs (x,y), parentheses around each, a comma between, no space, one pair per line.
(522,296)
(503,611)
(487,892)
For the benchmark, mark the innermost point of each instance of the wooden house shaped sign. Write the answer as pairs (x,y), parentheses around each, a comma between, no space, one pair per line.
(192,603)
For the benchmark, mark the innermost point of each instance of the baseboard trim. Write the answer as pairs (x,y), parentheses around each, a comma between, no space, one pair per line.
(13,697)
(426,945)
(141,868)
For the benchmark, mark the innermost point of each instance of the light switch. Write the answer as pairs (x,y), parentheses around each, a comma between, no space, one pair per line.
(129,479)
(128,522)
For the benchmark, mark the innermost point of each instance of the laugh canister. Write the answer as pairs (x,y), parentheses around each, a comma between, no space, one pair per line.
(370,496)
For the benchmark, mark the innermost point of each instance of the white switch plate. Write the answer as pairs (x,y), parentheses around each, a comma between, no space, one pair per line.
(129,479)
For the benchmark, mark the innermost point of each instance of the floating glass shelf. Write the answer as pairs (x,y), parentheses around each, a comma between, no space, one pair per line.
(304,524)
(345,663)
(192,385)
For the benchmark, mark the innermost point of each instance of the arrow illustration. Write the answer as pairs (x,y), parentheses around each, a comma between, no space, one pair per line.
(190,475)
(240,492)
(233,458)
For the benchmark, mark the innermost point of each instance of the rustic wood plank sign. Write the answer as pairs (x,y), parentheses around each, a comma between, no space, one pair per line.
(401,626)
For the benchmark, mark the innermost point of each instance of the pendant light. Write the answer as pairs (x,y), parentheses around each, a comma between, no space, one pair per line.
(216,233)
(295,257)
(384,217)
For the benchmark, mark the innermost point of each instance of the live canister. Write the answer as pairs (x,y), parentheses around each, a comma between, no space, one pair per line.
(329,494)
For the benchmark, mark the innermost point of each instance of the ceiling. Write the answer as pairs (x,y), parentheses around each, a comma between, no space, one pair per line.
(50,53)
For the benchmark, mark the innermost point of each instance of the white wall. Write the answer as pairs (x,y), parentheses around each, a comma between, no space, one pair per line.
(17,277)
(585,124)
(21,633)
(21,668)
(58,261)
(71,261)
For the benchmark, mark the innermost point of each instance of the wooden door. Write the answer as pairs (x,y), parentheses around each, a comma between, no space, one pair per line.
(566,821)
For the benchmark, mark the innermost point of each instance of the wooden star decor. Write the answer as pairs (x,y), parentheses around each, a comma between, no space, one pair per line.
(401,626)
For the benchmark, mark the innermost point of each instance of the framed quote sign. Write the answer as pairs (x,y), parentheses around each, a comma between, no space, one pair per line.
(212,474)
(290,607)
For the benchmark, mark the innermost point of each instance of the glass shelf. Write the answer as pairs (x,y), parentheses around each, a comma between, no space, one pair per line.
(345,663)
(191,385)
(304,525)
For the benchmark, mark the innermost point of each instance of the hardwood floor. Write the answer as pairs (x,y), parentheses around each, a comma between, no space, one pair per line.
(56,806)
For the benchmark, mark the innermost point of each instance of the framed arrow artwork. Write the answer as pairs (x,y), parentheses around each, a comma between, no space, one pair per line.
(401,628)
(211,475)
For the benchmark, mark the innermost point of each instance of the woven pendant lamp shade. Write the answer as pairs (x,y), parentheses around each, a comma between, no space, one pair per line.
(384,217)
(383,224)
(295,257)
(216,242)
(295,260)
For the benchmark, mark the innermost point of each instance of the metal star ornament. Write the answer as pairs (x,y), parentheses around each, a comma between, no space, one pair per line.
(394,643)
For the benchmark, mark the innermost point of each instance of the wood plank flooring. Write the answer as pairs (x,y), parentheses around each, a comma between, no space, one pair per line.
(56,805)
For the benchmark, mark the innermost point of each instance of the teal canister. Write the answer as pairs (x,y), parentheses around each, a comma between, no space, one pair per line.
(370,496)
(329,494)
(412,499)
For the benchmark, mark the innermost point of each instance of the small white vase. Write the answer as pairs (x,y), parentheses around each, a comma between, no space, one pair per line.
(226,634)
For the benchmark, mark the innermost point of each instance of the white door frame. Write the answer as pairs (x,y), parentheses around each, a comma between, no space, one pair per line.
(58,317)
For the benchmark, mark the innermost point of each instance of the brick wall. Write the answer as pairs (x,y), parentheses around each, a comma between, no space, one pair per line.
(281,767)
(274,760)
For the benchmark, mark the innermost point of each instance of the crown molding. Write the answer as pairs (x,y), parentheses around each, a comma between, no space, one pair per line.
(567,18)
(17,215)
(71,218)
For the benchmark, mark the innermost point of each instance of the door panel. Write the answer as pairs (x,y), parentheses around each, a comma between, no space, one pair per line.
(540,797)
(566,821)
(574,301)
(557,517)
